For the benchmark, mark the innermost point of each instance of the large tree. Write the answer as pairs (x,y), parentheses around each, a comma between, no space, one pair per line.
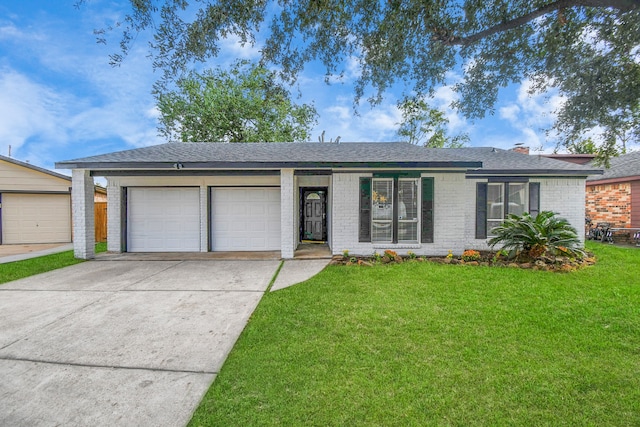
(425,125)
(244,104)
(586,49)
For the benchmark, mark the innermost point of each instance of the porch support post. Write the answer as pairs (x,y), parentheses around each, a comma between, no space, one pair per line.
(82,212)
(287,214)
(114,217)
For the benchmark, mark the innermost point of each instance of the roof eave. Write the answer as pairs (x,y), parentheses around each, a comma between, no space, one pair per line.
(601,181)
(552,172)
(262,165)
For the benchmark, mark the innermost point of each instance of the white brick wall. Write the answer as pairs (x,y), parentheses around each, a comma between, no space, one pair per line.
(114,204)
(565,196)
(345,200)
(82,211)
(287,209)
(449,217)
(454,209)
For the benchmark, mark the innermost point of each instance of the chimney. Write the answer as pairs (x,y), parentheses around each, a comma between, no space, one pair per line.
(520,148)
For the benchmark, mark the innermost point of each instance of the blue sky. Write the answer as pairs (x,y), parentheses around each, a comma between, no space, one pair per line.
(59,98)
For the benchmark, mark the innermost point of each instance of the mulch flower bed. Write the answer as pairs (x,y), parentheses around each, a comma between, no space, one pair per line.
(472,258)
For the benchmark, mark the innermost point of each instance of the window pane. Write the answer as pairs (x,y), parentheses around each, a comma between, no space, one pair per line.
(381,231)
(382,210)
(495,203)
(408,231)
(382,198)
(408,210)
(408,199)
(518,198)
(491,224)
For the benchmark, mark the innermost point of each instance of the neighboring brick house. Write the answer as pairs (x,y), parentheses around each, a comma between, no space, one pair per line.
(360,197)
(614,197)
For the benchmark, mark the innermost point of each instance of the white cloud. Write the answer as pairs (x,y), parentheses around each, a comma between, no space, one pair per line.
(529,114)
(27,110)
(510,112)
(233,46)
(9,32)
(377,124)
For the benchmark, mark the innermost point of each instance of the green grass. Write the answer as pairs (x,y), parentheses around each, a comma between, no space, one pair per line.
(28,267)
(425,344)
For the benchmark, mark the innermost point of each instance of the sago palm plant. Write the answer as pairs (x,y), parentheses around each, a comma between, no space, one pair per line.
(546,233)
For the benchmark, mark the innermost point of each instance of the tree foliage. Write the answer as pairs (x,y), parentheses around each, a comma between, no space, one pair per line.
(424,125)
(244,104)
(586,49)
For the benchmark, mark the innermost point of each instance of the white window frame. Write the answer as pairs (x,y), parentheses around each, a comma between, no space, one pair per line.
(416,220)
(381,223)
(506,193)
(393,223)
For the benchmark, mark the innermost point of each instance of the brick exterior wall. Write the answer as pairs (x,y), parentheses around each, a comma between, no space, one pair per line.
(610,203)
(454,208)
(82,212)
(565,196)
(114,212)
(449,217)
(635,204)
(287,213)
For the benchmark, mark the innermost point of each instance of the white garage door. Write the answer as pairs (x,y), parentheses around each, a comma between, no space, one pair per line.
(36,218)
(163,220)
(245,219)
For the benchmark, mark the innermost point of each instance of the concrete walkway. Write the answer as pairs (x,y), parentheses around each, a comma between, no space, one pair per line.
(123,343)
(295,271)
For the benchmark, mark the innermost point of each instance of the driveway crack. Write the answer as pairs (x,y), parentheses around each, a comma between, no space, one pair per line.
(87,365)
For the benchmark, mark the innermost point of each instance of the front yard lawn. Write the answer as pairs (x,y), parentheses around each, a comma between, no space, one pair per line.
(429,344)
(28,267)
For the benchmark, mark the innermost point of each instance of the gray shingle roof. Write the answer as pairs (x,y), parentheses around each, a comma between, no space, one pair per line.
(627,165)
(310,155)
(257,154)
(495,159)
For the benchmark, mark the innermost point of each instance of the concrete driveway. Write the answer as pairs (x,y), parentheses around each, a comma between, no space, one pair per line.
(121,343)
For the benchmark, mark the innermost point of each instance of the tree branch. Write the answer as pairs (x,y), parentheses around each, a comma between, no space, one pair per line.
(451,40)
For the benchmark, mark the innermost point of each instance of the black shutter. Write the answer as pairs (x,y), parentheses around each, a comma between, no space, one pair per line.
(481,210)
(534,198)
(427,210)
(364,234)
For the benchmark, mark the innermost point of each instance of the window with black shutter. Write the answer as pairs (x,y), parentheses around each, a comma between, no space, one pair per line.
(427,210)
(390,209)
(498,198)
(364,234)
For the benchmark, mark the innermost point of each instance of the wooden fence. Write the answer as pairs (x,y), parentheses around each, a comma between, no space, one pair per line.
(100,209)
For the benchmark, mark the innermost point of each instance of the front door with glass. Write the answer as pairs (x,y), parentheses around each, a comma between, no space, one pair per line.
(314,215)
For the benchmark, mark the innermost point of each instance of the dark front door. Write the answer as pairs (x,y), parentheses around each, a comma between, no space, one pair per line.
(314,215)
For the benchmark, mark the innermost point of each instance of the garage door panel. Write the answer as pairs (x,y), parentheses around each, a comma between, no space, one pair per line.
(36,218)
(163,219)
(245,219)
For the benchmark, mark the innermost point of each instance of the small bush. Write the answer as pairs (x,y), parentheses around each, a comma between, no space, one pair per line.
(536,237)
(390,253)
(470,255)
